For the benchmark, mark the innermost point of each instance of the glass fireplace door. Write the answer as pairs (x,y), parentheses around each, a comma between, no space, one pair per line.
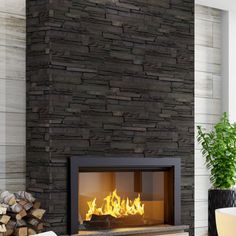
(114,199)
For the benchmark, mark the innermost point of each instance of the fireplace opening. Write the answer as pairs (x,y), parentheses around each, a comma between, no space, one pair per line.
(109,193)
(124,199)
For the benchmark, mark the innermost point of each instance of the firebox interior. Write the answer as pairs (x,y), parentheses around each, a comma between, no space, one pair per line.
(110,199)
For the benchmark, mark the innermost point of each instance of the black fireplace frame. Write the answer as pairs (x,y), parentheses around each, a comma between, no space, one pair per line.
(78,163)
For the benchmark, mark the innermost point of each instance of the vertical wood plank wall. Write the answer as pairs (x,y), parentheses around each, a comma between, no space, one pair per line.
(207,99)
(12,94)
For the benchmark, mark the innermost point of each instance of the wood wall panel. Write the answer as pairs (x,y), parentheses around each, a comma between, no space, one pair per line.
(208,103)
(12,95)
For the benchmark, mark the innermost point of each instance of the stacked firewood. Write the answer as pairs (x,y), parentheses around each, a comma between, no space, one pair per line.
(20,214)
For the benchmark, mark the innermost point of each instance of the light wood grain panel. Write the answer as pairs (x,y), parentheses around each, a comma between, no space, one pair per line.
(207,55)
(12,63)
(207,106)
(207,118)
(217,35)
(12,96)
(204,32)
(201,231)
(12,129)
(12,167)
(208,14)
(202,184)
(201,210)
(16,7)
(13,175)
(208,83)
(12,30)
(13,185)
(12,159)
(208,67)
(200,167)
(217,86)
(203,84)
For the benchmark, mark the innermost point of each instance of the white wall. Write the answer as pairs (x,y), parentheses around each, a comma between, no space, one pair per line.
(12,94)
(208,98)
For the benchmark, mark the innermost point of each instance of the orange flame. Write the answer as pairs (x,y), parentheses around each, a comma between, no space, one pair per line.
(115,206)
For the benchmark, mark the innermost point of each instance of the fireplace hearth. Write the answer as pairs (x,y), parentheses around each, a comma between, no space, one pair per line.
(123,193)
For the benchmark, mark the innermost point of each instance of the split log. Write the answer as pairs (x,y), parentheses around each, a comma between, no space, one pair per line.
(3,228)
(16,208)
(21,231)
(10,228)
(8,232)
(4,219)
(35,224)
(11,224)
(37,204)
(25,195)
(26,205)
(21,223)
(31,231)
(22,213)
(18,216)
(37,213)
(7,198)
(3,210)
(14,216)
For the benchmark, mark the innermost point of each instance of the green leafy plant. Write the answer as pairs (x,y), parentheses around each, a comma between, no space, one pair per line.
(219,150)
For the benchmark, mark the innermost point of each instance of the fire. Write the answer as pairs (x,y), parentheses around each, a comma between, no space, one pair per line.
(115,206)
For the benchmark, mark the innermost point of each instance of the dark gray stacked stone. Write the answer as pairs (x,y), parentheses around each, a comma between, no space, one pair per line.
(108,78)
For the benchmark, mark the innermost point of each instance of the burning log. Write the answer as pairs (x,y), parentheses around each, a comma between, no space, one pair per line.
(108,221)
(20,214)
(115,212)
(100,222)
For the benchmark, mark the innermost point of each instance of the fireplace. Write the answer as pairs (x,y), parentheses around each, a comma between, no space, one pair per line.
(109,193)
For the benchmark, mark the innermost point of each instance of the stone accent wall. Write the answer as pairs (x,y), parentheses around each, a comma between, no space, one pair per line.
(108,78)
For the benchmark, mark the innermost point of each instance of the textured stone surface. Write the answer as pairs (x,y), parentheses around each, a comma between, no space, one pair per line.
(107,78)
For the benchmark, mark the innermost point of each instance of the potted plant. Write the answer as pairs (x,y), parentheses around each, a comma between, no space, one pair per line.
(219,150)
